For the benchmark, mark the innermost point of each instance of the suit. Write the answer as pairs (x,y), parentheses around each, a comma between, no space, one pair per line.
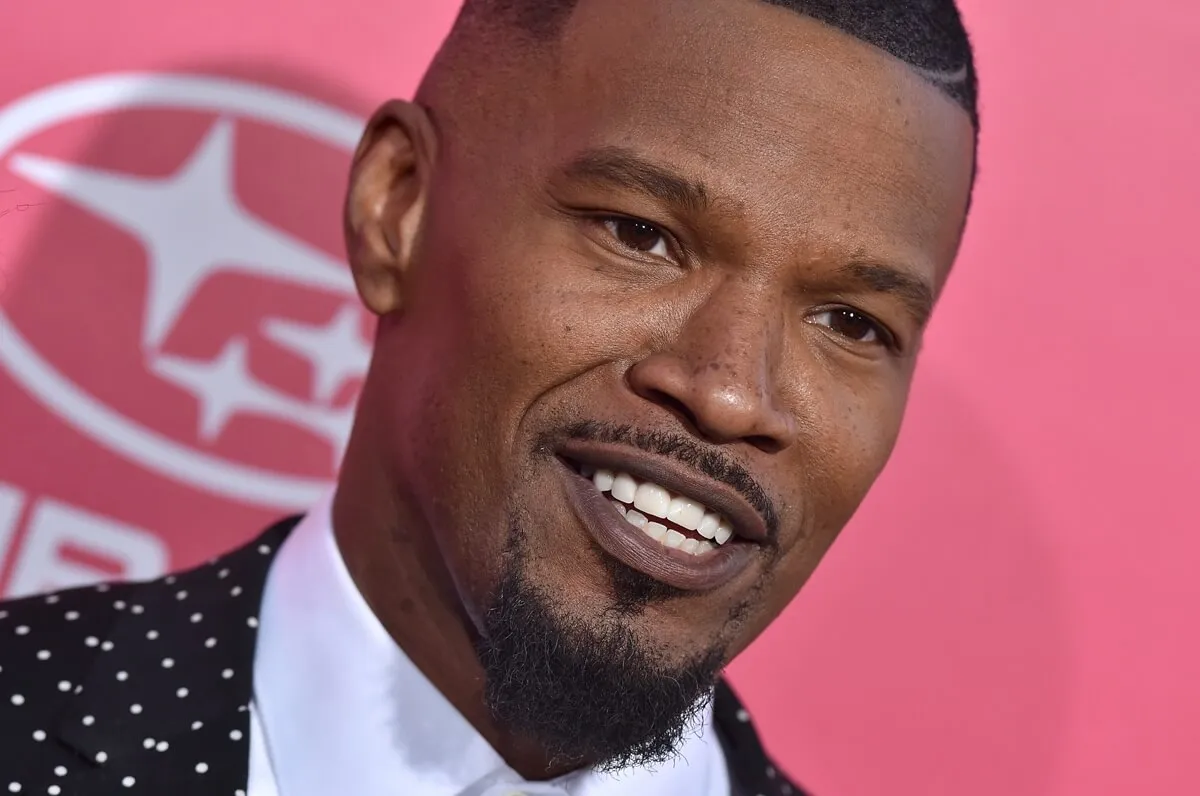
(146,687)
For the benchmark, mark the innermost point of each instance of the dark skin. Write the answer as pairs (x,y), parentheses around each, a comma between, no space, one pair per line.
(737,239)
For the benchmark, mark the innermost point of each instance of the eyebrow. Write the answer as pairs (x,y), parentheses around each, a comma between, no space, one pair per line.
(626,169)
(916,293)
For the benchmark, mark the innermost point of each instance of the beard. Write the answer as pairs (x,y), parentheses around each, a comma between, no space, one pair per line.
(588,691)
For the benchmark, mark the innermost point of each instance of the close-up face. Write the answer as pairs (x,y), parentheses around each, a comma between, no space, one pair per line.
(663,310)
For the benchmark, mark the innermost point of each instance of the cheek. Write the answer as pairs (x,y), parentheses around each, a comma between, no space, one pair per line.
(857,437)
(484,335)
(523,315)
(853,415)
(495,303)
(849,438)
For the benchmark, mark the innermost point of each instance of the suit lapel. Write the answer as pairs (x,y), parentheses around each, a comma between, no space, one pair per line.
(168,696)
(751,771)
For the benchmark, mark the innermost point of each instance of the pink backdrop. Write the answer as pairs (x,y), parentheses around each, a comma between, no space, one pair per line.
(1013,612)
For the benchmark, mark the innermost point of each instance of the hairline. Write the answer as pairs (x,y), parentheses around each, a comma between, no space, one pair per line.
(545,29)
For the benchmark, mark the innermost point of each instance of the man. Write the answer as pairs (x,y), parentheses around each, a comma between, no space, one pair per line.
(651,279)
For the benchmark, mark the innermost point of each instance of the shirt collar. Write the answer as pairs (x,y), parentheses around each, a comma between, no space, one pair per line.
(344,710)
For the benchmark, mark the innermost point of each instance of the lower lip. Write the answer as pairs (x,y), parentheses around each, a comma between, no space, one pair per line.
(632,547)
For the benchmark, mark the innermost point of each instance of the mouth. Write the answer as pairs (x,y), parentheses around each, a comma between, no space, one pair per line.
(678,532)
(674,521)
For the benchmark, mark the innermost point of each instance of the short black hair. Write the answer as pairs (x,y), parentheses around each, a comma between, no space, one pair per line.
(928,35)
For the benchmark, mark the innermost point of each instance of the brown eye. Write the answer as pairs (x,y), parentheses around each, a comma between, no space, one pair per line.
(638,235)
(852,325)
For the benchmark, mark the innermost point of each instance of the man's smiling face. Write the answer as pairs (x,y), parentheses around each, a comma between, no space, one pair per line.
(662,315)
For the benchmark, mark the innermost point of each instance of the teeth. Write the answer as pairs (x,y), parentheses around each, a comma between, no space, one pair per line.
(603,479)
(651,500)
(685,513)
(624,488)
(708,526)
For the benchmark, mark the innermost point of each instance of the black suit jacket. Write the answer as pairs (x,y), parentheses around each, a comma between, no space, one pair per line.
(144,688)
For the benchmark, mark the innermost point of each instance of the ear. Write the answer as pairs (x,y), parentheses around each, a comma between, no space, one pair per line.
(389,181)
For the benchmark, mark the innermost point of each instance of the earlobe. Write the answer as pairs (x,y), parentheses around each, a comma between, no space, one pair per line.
(385,201)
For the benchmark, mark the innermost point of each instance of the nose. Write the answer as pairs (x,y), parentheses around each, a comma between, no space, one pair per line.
(720,374)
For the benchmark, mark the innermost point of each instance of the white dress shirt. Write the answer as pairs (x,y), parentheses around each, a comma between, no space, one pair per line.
(339,708)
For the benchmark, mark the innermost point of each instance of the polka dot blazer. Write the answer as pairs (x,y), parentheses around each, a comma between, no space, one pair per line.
(144,688)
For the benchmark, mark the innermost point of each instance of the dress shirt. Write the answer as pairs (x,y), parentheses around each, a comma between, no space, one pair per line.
(339,708)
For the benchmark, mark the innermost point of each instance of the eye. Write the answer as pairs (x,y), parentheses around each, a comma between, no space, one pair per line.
(638,235)
(854,325)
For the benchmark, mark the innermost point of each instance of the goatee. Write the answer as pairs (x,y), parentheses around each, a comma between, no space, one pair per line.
(588,691)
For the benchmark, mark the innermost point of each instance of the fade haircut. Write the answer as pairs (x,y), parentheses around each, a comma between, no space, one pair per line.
(928,35)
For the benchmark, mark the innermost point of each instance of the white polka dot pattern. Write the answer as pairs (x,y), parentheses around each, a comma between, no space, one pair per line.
(134,688)
(145,688)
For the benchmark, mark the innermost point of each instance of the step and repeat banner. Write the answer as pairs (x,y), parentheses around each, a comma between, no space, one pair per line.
(1011,612)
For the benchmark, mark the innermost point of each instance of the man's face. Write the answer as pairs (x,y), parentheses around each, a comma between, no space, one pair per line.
(694,255)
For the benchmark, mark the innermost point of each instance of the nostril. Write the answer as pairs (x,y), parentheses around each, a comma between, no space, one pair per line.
(765,443)
(720,408)
(675,407)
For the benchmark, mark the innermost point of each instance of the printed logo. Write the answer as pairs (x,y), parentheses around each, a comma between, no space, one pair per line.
(64,546)
(178,301)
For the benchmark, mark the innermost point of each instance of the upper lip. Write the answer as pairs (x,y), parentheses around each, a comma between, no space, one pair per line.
(718,496)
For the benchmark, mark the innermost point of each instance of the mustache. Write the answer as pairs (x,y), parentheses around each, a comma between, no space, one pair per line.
(712,462)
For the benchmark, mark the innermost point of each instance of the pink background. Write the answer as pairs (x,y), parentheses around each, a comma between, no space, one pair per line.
(1013,611)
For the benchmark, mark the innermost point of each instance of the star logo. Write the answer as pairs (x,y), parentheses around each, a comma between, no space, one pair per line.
(198,238)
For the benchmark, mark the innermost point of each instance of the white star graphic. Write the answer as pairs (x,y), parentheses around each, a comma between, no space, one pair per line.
(225,387)
(336,350)
(191,226)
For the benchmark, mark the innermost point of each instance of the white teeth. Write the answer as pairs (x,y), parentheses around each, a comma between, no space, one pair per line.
(685,513)
(624,488)
(656,530)
(656,501)
(708,525)
(652,499)
(603,479)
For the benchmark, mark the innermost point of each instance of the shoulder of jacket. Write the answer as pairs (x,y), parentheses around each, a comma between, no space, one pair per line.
(53,618)
(88,612)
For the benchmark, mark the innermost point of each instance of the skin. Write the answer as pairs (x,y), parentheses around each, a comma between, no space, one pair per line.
(826,176)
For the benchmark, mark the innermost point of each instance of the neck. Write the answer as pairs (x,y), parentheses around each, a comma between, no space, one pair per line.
(395,562)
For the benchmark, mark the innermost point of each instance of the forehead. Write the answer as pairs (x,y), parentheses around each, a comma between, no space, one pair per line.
(786,120)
